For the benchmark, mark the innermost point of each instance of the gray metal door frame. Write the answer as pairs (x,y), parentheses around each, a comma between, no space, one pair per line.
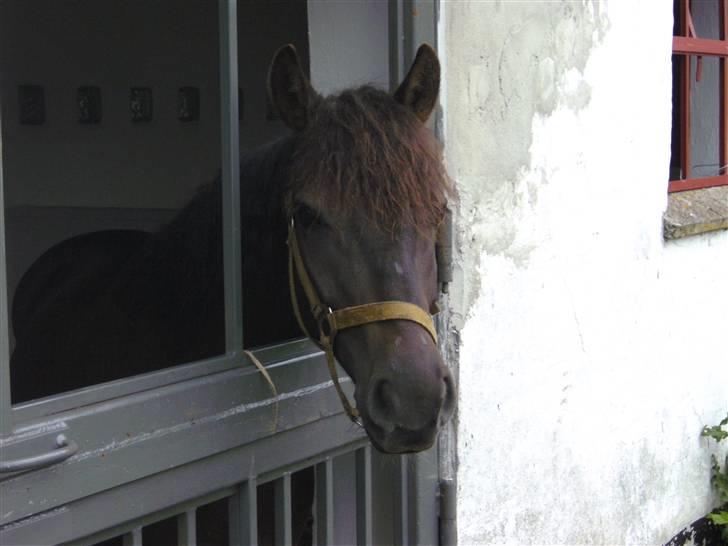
(181,437)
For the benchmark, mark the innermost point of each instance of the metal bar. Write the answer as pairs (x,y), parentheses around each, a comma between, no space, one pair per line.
(243,514)
(422,491)
(448,512)
(148,519)
(283,515)
(396,46)
(324,503)
(133,538)
(697,183)
(408,34)
(187,528)
(401,521)
(6,416)
(699,46)
(63,449)
(344,486)
(228,24)
(364,534)
(37,409)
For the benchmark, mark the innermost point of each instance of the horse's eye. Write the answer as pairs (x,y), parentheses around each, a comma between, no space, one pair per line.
(308,217)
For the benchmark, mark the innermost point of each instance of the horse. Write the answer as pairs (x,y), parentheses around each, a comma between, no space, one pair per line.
(361,186)
(356,193)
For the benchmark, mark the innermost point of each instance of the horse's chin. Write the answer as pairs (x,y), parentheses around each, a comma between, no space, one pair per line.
(399,440)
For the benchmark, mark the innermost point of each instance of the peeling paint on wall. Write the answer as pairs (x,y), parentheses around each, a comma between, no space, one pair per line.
(529,61)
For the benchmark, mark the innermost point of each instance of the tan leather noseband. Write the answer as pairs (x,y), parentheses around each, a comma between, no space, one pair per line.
(329,322)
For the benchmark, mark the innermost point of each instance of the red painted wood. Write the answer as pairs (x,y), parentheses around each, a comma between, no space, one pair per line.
(697,183)
(699,46)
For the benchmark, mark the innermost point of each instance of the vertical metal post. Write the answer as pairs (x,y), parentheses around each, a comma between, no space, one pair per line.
(243,514)
(324,505)
(345,497)
(230,137)
(396,44)
(448,513)
(364,496)
(283,515)
(133,538)
(401,493)
(422,491)
(6,417)
(187,528)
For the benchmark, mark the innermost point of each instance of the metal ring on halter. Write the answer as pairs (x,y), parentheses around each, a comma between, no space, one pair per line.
(326,325)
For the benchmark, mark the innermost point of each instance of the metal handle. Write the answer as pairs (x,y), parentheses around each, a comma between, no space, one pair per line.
(65,448)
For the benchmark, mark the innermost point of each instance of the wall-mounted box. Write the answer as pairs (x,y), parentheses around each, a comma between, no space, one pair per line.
(140,104)
(188,104)
(88,99)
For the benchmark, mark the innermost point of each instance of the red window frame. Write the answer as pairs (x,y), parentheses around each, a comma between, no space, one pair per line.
(687,45)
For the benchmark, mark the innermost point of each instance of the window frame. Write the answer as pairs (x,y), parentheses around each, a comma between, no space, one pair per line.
(687,46)
(19,415)
(115,424)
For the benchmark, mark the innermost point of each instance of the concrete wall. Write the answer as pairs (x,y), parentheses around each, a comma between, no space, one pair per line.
(591,352)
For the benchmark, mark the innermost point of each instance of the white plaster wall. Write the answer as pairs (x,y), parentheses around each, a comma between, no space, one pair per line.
(591,352)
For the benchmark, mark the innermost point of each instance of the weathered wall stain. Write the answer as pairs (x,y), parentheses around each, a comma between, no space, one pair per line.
(529,60)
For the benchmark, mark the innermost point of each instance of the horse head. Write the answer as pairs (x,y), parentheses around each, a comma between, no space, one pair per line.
(365,196)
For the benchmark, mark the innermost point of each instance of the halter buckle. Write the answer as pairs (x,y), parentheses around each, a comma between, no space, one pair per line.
(326,325)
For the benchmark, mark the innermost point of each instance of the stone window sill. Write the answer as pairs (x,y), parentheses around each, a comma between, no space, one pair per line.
(695,211)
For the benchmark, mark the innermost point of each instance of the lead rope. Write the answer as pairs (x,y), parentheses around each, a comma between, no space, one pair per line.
(258,364)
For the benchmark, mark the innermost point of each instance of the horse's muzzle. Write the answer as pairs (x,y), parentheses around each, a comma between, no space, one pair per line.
(404,414)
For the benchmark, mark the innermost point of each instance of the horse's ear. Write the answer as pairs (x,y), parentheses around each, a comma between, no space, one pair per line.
(419,89)
(288,89)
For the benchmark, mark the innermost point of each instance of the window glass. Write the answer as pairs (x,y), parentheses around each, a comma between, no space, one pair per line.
(263,27)
(696,128)
(705,117)
(111,127)
(111,137)
(706,18)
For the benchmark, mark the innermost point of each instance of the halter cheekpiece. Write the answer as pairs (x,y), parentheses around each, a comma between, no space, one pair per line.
(329,322)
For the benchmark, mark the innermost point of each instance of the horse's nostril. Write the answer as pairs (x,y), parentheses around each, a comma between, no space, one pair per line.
(385,398)
(448,399)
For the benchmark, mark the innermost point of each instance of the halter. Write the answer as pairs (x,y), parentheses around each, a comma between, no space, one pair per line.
(330,322)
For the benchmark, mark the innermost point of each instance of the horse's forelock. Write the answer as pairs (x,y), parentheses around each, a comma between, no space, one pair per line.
(364,151)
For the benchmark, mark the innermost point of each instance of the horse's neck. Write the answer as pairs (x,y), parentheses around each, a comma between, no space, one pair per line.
(186,255)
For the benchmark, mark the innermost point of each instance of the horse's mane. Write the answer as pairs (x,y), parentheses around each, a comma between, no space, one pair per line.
(364,151)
